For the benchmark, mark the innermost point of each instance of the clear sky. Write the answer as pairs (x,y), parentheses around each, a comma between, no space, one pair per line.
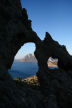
(53,16)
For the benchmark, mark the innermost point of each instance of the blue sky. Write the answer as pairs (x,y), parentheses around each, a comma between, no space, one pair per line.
(53,16)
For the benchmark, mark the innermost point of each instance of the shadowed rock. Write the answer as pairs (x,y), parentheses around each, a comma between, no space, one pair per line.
(56,82)
(58,51)
(55,85)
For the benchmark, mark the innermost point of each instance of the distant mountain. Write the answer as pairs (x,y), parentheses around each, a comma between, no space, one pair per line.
(52,62)
(28,58)
(31,58)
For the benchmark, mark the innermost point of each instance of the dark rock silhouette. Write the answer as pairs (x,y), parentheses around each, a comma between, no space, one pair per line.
(58,51)
(55,85)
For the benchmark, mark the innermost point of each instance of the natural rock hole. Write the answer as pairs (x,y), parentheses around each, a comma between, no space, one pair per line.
(25,63)
(52,63)
(55,90)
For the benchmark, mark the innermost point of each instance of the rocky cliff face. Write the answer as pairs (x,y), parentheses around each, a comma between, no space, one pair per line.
(55,85)
(15,30)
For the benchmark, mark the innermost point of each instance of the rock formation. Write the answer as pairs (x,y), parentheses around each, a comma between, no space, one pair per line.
(28,58)
(15,31)
(55,85)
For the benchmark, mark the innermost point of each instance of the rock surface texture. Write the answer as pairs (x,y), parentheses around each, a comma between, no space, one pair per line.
(55,85)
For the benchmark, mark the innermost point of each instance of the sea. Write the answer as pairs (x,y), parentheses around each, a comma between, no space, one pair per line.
(24,69)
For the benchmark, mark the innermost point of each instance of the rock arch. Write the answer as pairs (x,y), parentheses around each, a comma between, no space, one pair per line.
(16,30)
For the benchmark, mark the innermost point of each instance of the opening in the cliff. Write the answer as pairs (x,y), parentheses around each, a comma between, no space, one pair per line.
(52,63)
(25,63)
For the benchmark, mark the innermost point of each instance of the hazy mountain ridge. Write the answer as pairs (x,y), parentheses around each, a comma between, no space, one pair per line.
(31,58)
(28,58)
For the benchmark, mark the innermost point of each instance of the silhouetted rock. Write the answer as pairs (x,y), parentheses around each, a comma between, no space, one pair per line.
(55,85)
(58,51)
(15,30)
(56,82)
